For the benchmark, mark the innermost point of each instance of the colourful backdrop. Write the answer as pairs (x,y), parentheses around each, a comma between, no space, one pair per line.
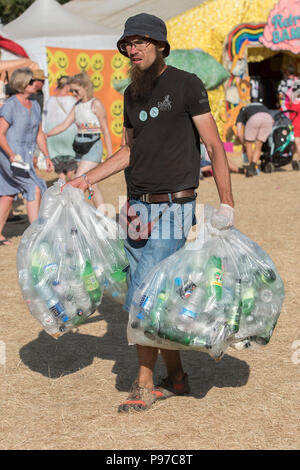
(103,66)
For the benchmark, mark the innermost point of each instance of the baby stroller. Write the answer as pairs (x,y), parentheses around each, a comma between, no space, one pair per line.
(278,150)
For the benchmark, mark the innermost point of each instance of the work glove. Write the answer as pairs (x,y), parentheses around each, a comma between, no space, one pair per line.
(223,218)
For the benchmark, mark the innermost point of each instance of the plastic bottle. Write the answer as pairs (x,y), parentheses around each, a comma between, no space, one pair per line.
(249,295)
(264,338)
(265,275)
(266,295)
(235,310)
(43,264)
(175,334)
(52,301)
(41,313)
(191,307)
(91,283)
(79,296)
(154,316)
(214,278)
(184,290)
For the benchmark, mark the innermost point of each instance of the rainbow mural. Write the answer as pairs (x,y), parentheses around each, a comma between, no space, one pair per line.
(240,34)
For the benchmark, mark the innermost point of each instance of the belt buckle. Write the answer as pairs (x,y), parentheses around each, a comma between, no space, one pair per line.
(145,198)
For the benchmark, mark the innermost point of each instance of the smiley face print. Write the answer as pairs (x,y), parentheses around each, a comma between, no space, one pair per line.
(117,127)
(50,77)
(61,60)
(116,109)
(83,61)
(50,58)
(97,62)
(117,76)
(118,61)
(98,80)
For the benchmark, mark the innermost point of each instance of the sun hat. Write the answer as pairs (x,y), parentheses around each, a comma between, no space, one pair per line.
(38,74)
(147,26)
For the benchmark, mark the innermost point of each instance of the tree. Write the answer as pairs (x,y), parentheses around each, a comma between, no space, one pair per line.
(11,9)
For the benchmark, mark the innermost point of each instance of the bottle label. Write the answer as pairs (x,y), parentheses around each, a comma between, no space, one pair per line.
(187,313)
(145,302)
(57,309)
(91,283)
(218,279)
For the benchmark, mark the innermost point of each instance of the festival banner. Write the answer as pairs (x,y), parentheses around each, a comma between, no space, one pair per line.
(103,67)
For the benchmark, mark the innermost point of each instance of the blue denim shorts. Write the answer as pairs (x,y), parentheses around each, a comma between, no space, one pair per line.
(168,235)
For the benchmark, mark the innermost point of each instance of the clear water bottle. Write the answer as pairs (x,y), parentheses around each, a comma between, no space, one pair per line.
(79,296)
(266,295)
(43,264)
(51,299)
(193,305)
(42,314)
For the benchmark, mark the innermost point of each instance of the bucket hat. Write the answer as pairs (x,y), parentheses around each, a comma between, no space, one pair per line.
(147,26)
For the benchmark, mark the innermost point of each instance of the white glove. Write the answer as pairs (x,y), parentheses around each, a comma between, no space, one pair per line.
(223,218)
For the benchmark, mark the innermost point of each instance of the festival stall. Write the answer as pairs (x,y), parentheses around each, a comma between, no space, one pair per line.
(257,41)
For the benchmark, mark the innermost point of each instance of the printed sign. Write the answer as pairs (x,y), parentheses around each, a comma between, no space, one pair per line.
(282,31)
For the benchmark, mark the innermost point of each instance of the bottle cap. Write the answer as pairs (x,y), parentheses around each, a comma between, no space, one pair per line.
(178,281)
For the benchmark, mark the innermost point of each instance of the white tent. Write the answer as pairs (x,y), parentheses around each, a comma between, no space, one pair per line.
(113,13)
(47,23)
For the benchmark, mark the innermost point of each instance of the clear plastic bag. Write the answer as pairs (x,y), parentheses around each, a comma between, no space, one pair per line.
(219,291)
(67,258)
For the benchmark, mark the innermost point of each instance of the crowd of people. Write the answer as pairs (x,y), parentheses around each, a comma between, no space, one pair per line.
(66,129)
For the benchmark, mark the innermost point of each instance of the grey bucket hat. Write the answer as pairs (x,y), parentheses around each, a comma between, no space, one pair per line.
(147,26)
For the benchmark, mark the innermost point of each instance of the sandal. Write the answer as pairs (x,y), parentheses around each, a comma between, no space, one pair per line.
(168,389)
(5,242)
(139,399)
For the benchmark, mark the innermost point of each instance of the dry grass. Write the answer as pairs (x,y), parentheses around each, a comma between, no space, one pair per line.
(64,394)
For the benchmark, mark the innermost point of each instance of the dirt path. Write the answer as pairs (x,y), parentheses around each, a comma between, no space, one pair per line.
(64,394)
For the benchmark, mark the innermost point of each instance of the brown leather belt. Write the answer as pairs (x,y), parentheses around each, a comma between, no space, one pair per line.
(166,197)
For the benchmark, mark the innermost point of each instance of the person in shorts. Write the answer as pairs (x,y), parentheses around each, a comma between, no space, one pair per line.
(89,115)
(254,125)
(56,109)
(166,110)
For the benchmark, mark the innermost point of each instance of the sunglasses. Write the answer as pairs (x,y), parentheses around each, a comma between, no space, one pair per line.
(35,80)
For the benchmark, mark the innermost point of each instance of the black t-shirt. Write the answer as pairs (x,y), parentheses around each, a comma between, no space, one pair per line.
(165,156)
(248,111)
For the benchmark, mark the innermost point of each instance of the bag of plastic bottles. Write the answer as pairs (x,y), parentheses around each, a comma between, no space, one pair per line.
(219,290)
(67,258)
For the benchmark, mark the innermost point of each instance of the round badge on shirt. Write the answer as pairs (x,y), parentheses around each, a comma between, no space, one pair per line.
(154,112)
(143,116)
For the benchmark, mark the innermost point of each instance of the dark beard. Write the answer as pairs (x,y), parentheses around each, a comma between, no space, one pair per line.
(143,81)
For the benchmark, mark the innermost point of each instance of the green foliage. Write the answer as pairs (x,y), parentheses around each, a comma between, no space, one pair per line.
(11,9)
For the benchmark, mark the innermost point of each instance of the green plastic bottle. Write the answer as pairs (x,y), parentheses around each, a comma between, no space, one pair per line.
(155,315)
(214,278)
(118,274)
(91,283)
(235,310)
